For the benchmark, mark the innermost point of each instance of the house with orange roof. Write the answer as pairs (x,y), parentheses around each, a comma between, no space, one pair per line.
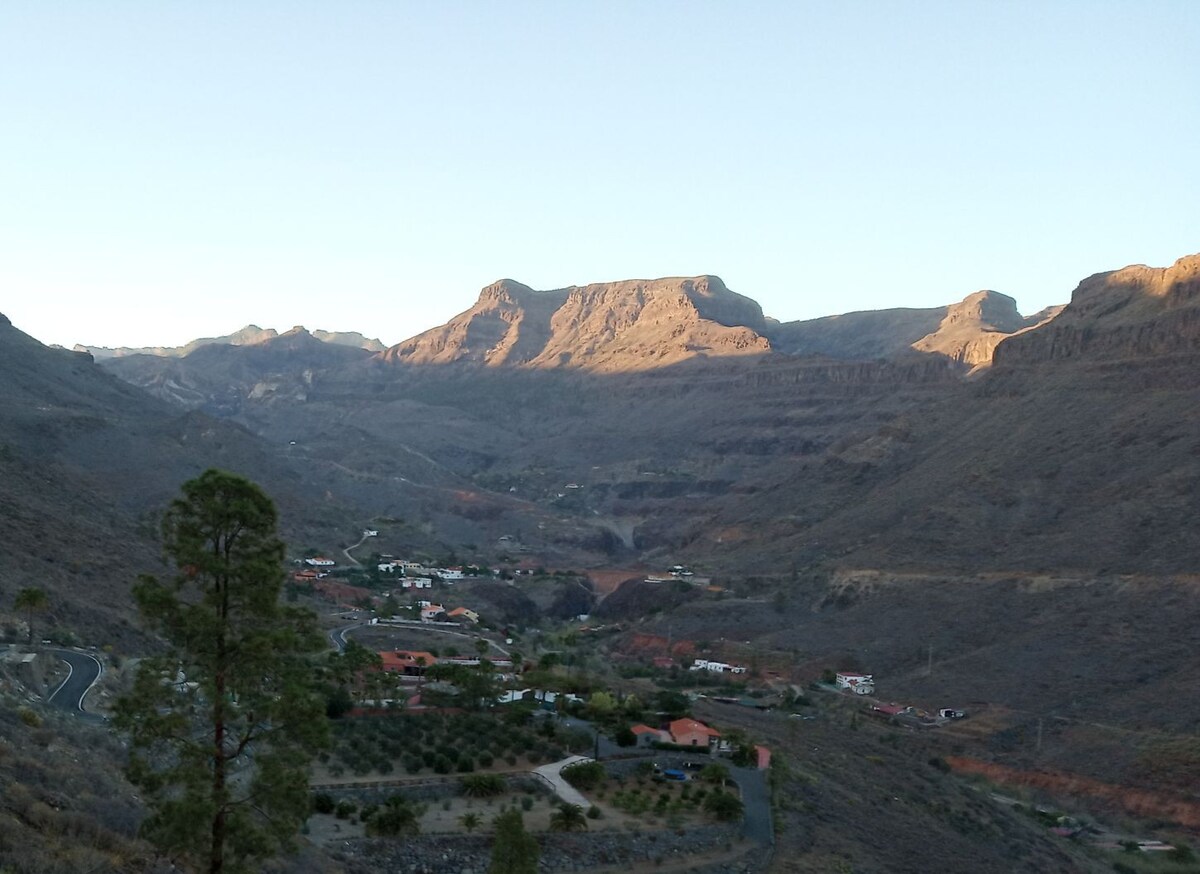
(647,736)
(411,663)
(692,733)
(463,613)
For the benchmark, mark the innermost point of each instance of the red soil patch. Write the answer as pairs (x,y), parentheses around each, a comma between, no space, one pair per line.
(606,582)
(1139,802)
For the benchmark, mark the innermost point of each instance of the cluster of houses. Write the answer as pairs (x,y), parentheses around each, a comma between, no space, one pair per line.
(716,667)
(415,569)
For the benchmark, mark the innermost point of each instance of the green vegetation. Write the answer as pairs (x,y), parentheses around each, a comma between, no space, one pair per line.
(234,680)
(29,601)
(445,743)
(568,818)
(585,776)
(397,818)
(514,850)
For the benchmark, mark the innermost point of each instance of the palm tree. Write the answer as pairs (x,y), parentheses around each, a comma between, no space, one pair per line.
(568,818)
(469,821)
(30,600)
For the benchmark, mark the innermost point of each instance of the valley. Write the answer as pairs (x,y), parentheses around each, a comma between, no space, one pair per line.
(982,510)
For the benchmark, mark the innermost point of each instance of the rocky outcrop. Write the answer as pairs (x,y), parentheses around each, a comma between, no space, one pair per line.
(972,329)
(607,327)
(1133,313)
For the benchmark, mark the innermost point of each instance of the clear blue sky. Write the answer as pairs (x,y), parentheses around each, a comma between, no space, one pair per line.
(173,170)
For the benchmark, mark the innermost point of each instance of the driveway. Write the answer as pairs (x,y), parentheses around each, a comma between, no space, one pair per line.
(552,774)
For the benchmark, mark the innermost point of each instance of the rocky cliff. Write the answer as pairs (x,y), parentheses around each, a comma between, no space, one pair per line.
(1133,313)
(605,327)
(972,329)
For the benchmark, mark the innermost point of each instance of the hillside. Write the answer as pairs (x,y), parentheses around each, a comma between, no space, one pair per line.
(89,461)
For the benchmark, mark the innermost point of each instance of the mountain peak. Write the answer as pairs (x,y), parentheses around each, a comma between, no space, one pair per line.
(633,324)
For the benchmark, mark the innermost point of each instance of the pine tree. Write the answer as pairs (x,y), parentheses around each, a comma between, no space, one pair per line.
(224,723)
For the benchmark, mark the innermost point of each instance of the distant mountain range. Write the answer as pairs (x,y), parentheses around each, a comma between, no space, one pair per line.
(695,429)
(247,336)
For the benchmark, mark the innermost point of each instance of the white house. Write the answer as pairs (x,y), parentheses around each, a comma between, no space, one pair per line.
(429,613)
(859,684)
(716,667)
(450,573)
(319,561)
(416,583)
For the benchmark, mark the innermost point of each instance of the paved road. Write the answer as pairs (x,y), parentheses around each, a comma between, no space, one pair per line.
(337,636)
(84,672)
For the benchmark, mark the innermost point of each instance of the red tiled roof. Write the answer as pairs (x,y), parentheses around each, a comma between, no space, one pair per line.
(402,658)
(645,729)
(690,726)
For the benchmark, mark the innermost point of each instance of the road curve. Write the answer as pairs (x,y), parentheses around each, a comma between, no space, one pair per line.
(84,672)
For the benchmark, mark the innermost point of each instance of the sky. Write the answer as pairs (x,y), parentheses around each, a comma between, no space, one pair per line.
(177,170)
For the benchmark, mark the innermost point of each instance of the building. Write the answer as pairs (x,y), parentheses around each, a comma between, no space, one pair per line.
(428,614)
(647,736)
(859,684)
(691,733)
(319,561)
(416,583)
(411,663)
(716,667)
(460,613)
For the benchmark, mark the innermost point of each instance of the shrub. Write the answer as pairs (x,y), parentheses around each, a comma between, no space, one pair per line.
(723,806)
(323,803)
(345,809)
(585,775)
(29,717)
(482,785)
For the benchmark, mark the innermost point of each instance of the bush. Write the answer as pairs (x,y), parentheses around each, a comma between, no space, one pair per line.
(585,775)
(323,803)
(482,785)
(29,717)
(723,806)
(345,809)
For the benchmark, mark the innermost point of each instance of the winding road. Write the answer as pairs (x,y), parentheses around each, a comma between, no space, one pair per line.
(84,671)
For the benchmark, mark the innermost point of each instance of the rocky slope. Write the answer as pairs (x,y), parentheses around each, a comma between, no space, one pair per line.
(605,327)
(88,461)
(966,332)
(220,378)
(1134,313)
(972,329)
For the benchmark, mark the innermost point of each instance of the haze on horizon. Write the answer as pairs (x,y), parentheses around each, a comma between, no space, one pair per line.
(177,171)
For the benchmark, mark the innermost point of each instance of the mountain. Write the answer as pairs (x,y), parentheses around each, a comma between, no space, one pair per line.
(605,327)
(966,332)
(89,461)
(221,377)
(249,335)
(972,329)
(1080,449)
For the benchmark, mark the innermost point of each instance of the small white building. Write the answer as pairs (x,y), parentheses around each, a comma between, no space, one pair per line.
(450,573)
(416,583)
(859,684)
(319,561)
